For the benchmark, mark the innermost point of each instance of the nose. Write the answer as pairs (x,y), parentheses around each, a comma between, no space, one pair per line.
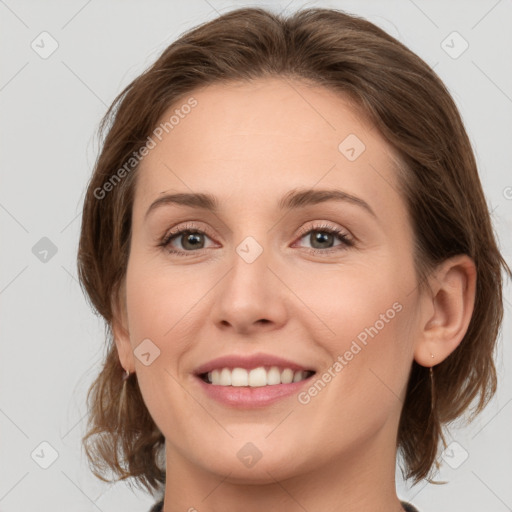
(250,298)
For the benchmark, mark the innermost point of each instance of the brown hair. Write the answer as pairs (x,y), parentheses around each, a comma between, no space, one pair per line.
(409,105)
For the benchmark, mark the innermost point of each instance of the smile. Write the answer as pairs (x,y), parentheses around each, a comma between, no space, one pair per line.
(256,377)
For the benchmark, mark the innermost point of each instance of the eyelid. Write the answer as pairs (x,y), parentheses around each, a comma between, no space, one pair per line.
(323,224)
(345,237)
(187,226)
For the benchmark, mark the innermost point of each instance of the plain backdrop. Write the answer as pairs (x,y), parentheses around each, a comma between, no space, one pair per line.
(62,64)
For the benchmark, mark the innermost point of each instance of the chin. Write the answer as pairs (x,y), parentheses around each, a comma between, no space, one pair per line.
(253,463)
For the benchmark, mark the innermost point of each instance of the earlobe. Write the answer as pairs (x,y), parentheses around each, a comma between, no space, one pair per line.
(120,331)
(453,287)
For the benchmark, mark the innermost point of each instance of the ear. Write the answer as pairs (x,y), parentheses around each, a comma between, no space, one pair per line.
(445,322)
(120,330)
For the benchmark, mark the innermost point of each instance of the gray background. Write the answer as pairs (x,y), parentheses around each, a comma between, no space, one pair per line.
(51,343)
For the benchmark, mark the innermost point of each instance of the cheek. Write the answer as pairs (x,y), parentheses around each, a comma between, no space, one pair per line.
(159,306)
(160,300)
(363,323)
(351,301)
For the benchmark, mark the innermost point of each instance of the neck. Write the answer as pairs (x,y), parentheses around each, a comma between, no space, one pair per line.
(357,480)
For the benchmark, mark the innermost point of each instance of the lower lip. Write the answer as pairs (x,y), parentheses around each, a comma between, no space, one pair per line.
(246,397)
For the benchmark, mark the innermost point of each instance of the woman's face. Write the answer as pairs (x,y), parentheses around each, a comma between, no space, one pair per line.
(306,257)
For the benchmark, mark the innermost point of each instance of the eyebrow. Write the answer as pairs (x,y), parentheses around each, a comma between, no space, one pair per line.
(294,199)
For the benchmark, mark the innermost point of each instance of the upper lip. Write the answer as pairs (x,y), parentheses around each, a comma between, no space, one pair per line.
(248,362)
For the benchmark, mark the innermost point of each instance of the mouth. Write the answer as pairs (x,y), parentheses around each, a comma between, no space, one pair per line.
(262,376)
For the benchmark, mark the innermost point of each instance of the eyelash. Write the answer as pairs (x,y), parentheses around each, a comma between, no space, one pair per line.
(345,239)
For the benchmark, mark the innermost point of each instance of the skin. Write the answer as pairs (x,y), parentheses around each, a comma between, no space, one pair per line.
(248,145)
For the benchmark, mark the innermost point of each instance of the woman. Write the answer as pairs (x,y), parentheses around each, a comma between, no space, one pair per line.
(287,237)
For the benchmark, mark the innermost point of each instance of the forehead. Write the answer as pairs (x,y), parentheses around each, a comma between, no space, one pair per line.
(266,137)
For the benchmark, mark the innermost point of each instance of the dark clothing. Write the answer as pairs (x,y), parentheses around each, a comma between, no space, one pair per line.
(157,507)
(407,507)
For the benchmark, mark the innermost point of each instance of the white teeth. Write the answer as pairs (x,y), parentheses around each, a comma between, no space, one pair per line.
(286,376)
(225,377)
(239,377)
(256,377)
(298,376)
(273,376)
